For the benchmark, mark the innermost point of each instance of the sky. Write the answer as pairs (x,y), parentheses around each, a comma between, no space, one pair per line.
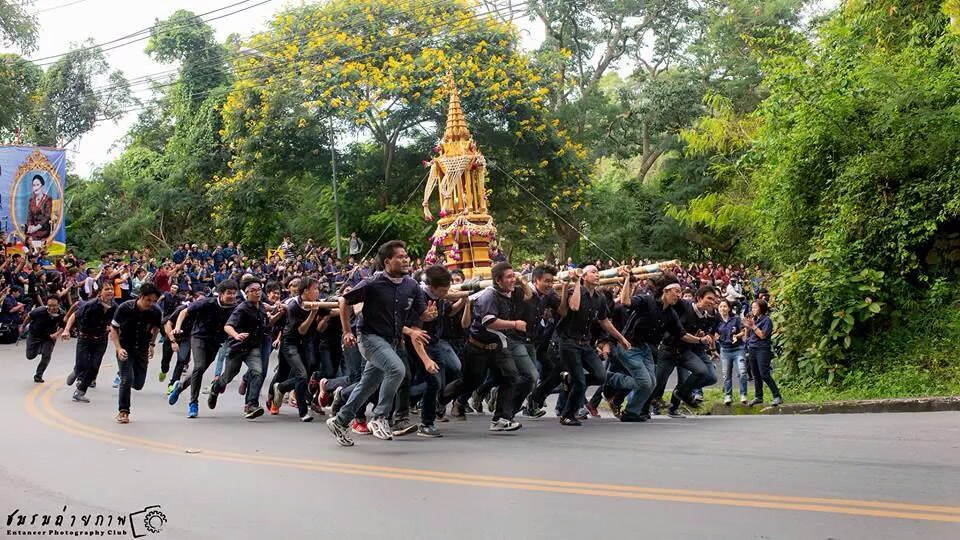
(64,22)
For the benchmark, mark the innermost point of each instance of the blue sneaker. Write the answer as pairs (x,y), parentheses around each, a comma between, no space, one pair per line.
(174,393)
(192,410)
(116,381)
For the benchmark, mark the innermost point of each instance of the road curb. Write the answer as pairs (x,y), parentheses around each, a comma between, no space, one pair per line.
(927,404)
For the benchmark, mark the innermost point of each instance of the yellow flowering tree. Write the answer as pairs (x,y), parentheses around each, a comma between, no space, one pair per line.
(376,68)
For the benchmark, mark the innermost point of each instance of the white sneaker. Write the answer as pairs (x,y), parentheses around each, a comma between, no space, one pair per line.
(727,400)
(504,425)
(743,400)
(380,429)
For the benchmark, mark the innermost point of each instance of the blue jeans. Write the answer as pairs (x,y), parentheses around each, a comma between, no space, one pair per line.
(221,357)
(384,369)
(729,355)
(252,359)
(443,354)
(638,361)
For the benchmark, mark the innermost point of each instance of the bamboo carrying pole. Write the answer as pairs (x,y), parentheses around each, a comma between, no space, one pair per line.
(611,275)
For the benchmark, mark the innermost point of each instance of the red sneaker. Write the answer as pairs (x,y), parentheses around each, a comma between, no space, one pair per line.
(360,428)
(272,407)
(592,409)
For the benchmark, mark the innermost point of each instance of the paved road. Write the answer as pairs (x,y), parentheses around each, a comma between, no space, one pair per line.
(219,476)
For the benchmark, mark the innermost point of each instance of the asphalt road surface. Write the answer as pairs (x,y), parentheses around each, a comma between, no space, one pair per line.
(220,476)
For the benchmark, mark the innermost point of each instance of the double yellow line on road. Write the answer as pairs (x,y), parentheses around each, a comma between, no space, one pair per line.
(39,405)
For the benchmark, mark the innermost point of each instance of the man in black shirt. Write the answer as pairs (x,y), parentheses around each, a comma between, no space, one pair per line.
(245,328)
(92,319)
(296,343)
(207,334)
(538,307)
(45,325)
(392,305)
(133,330)
(584,307)
(683,348)
(178,341)
(495,323)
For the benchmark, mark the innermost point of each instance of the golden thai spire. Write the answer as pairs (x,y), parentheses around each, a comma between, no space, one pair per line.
(456,129)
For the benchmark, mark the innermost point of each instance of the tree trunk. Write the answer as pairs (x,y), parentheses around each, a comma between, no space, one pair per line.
(389,150)
(567,238)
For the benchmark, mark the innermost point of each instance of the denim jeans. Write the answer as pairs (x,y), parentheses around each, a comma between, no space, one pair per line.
(641,380)
(702,372)
(761,361)
(87,364)
(133,374)
(232,367)
(221,357)
(183,360)
(443,354)
(352,368)
(524,355)
(204,353)
(729,355)
(384,369)
(297,358)
(575,358)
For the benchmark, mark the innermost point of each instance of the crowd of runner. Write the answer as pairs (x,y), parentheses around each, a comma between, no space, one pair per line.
(392,340)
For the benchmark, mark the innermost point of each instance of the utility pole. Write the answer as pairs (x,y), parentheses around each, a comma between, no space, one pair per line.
(336,204)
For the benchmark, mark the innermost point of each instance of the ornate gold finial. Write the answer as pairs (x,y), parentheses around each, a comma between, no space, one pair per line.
(456,129)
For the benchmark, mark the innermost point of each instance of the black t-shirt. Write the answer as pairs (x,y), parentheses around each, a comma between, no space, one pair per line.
(249,319)
(93,320)
(42,324)
(578,324)
(209,317)
(489,305)
(438,328)
(185,327)
(538,312)
(295,317)
(135,325)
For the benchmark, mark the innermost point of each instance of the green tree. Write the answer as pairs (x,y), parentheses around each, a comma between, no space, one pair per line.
(17,27)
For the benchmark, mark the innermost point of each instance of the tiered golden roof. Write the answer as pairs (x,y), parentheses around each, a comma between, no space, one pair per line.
(456,129)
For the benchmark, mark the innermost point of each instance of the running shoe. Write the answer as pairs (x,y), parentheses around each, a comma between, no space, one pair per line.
(592,409)
(339,432)
(755,401)
(71,378)
(570,422)
(533,412)
(337,403)
(777,401)
(380,429)
(504,425)
(80,397)
(94,384)
(169,389)
(38,379)
(743,400)
(403,427)
(442,413)
(306,418)
(359,427)
(253,412)
(627,417)
(213,396)
(491,400)
(727,400)
(123,417)
(277,396)
(456,411)
(325,398)
(163,376)
(174,393)
(582,414)
(429,431)
(673,412)
(116,381)
(192,410)
(476,402)
(271,408)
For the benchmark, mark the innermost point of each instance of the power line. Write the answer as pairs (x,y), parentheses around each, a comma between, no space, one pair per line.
(141,32)
(53,8)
